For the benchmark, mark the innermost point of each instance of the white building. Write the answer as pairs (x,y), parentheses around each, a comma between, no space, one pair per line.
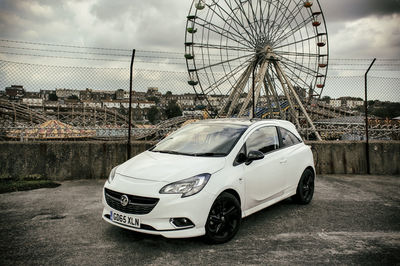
(91,104)
(65,93)
(111,104)
(335,103)
(353,104)
(32,101)
(143,104)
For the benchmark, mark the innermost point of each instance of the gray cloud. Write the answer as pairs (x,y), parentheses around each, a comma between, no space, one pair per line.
(346,10)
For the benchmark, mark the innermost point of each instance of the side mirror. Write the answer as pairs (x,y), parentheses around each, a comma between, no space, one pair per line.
(254,156)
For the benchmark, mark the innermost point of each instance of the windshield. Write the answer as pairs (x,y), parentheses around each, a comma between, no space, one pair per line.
(202,140)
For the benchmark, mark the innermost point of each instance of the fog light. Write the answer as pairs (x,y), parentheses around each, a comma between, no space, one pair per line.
(181,222)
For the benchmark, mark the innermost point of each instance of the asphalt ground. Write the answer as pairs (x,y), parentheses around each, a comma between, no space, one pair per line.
(351,220)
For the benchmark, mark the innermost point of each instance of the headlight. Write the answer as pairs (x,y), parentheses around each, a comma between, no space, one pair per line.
(187,187)
(112,174)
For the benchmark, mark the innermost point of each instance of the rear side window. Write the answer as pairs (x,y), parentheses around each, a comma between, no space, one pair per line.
(264,139)
(288,138)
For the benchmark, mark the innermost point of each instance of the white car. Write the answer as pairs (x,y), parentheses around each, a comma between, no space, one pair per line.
(207,176)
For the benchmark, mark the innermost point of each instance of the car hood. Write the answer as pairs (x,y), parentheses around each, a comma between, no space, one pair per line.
(155,166)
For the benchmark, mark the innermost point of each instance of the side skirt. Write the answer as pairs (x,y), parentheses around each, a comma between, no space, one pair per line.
(284,194)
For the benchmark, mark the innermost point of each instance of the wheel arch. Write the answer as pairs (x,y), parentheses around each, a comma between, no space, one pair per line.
(233,193)
(312,170)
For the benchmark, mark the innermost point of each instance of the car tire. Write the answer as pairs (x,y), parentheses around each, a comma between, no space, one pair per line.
(224,219)
(305,188)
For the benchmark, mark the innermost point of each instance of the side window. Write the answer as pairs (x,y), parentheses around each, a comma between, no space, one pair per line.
(264,139)
(288,138)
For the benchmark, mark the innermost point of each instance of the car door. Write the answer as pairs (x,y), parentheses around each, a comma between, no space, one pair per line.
(293,155)
(263,178)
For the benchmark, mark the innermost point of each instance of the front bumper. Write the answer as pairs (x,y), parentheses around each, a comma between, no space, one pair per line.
(157,222)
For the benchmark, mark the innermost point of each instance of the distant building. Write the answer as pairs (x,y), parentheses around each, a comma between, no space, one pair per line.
(15,92)
(354,103)
(153,91)
(138,96)
(335,103)
(111,104)
(119,94)
(32,99)
(144,104)
(45,94)
(92,104)
(97,95)
(65,93)
(215,100)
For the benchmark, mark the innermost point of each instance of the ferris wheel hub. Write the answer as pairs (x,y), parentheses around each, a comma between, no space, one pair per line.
(265,53)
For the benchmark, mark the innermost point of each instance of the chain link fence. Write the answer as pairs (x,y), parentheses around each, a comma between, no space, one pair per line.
(59,101)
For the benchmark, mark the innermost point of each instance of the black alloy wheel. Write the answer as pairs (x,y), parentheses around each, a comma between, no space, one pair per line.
(224,219)
(305,188)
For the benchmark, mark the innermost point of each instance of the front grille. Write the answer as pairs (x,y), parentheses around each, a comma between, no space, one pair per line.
(136,205)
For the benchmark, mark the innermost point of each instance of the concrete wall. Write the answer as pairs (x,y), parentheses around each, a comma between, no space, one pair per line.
(76,160)
(63,160)
(341,157)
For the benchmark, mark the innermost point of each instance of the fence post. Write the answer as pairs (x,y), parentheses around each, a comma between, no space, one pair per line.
(366,119)
(253,107)
(130,105)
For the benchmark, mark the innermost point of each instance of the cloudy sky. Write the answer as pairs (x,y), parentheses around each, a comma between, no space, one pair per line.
(357,28)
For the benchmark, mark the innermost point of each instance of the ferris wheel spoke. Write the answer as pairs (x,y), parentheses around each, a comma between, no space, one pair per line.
(233,37)
(235,19)
(224,19)
(253,31)
(294,30)
(223,62)
(226,76)
(267,24)
(262,26)
(295,54)
(282,18)
(300,67)
(285,24)
(291,74)
(222,47)
(295,42)
(295,78)
(274,23)
(255,17)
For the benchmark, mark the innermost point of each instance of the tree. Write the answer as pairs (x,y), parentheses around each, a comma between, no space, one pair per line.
(168,93)
(173,110)
(326,99)
(73,97)
(53,97)
(153,99)
(153,115)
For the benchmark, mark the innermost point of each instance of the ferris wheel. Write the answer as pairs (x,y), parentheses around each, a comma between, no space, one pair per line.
(271,54)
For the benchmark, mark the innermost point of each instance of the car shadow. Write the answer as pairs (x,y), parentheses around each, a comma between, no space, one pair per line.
(264,219)
(122,235)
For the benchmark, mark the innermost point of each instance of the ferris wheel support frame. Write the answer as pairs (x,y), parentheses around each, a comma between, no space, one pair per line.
(297,98)
(287,87)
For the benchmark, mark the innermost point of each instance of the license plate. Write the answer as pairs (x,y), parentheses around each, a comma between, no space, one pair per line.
(125,219)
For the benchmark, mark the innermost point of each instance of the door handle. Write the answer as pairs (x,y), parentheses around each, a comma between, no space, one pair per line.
(283,161)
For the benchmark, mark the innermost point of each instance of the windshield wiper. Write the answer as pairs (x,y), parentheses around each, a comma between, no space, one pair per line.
(210,154)
(174,152)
